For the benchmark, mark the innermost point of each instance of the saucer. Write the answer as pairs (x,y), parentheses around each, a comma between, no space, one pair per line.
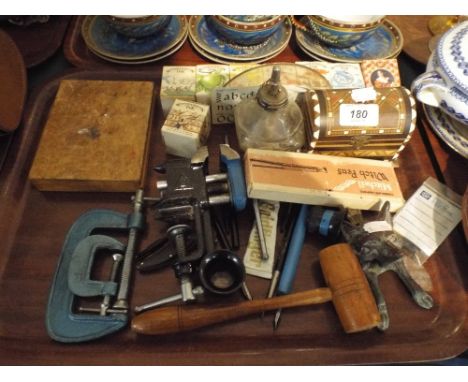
(107,43)
(209,42)
(226,61)
(145,60)
(452,132)
(386,42)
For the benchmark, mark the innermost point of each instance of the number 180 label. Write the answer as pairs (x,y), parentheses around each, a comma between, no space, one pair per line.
(359,115)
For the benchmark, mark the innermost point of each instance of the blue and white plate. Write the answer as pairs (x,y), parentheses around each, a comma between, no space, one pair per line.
(159,57)
(386,42)
(226,61)
(452,132)
(102,39)
(204,39)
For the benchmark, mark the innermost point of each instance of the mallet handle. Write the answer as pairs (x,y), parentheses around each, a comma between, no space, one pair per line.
(352,298)
(181,318)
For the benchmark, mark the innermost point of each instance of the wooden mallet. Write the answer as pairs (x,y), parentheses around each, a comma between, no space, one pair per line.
(347,288)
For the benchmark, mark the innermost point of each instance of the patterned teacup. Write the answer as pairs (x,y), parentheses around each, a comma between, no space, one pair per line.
(138,26)
(445,82)
(245,29)
(343,31)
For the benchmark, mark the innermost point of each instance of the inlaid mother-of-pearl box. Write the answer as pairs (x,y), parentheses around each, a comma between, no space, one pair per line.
(337,122)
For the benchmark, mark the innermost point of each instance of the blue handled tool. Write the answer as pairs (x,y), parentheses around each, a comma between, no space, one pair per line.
(292,258)
(293,212)
(231,159)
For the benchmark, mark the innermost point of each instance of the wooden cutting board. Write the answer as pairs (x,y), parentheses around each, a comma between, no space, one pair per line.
(95,137)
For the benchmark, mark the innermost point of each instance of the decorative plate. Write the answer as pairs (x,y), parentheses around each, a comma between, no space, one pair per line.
(314,57)
(452,132)
(386,42)
(145,60)
(102,39)
(232,60)
(203,37)
(291,74)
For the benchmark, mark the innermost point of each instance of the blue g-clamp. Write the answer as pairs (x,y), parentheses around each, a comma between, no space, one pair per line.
(66,321)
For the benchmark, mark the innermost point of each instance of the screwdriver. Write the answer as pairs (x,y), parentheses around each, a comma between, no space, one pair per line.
(292,259)
(279,263)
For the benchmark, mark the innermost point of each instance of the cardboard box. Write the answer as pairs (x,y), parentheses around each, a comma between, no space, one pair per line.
(177,82)
(383,73)
(186,128)
(209,77)
(339,75)
(326,180)
(236,69)
(224,100)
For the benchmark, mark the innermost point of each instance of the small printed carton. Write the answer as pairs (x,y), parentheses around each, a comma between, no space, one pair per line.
(186,128)
(178,82)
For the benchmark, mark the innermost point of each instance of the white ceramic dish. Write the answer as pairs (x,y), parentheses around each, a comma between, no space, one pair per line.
(445,82)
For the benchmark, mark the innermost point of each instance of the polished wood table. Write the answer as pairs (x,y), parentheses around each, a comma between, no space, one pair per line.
(33,226)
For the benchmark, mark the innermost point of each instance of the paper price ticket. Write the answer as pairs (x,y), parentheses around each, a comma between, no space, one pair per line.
(429,216)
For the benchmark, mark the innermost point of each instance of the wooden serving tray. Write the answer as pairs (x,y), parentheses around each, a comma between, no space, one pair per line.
(33,226)
(5,141)
(38,42)
(450,165)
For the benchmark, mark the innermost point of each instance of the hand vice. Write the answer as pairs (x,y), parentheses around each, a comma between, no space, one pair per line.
(186,197)
(66,320)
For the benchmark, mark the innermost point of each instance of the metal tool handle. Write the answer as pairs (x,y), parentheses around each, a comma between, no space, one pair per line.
(135,223)
(294,253)
(260,231)
(197,291)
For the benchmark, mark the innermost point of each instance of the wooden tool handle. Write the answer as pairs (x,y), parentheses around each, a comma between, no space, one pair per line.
(180,318)
(352,297)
